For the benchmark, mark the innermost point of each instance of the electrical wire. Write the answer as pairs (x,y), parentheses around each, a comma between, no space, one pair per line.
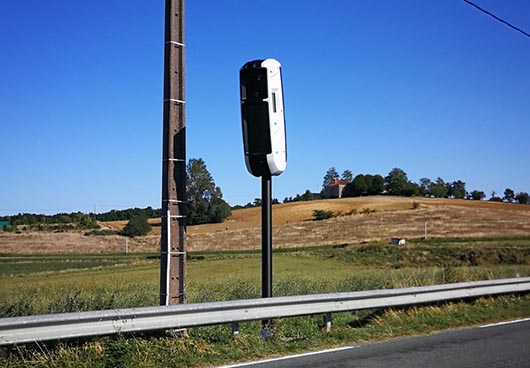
(497,18)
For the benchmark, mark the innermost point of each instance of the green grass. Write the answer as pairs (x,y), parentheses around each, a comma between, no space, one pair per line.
(37,285)
(494,241)
(25,265)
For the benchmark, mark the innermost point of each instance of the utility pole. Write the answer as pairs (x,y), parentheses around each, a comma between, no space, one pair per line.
(173,216)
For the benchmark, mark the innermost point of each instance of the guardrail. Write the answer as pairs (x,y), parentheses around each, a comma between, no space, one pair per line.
(19,330)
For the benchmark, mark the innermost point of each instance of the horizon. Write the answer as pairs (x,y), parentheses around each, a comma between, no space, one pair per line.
(436,89)
(252,205)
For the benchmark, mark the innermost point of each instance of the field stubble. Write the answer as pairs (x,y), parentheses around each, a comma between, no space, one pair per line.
(357,220)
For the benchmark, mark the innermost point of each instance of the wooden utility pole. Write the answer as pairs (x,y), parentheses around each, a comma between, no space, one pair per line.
(173,236)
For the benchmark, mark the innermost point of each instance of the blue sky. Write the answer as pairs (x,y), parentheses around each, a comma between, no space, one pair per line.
(435,88)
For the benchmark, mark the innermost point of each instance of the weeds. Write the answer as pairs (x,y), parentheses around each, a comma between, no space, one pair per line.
(366,211)
(207,346)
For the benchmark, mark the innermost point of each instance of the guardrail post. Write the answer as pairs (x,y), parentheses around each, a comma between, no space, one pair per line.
(235,329)
(326,326)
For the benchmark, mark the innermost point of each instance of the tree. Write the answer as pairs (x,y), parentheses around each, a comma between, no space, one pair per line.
(522,198)
(376,184)
(218,209)
(396,182)
(356,188)
(64,218)
(360,185)
(87,222)
(424,186)
(364,185)
(331,176)
(509,195)
(458,189)
(137,226)
(411,189)
(438,188)
(477,195)
(205,200)
(307,196)
(494,197)
(347,175)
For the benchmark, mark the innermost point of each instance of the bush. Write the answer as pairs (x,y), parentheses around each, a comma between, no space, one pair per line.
(101,232)
(11,228)
(322,215)
(137,226)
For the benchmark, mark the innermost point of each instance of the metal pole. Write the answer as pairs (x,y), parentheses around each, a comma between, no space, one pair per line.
(173,231)
(266,237)
(266,245)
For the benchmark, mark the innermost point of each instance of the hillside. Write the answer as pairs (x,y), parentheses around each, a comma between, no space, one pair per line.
(357,220)
(365,219)
(303,211)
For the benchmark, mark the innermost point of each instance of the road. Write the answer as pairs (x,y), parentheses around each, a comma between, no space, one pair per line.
(493,346)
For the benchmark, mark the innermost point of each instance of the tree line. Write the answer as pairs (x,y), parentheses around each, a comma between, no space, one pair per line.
(397,183)
(205,204)
(77,220)
(59,221)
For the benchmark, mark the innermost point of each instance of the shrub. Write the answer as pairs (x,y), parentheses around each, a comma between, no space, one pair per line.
(366,211)
(322,215)
(101,232)
(137,226)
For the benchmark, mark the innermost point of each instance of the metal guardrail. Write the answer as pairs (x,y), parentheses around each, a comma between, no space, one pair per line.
(38,328)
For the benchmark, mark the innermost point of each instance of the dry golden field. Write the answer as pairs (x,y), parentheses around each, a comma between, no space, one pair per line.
(357,220)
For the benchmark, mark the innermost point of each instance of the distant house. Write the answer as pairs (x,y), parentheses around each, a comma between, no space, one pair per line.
(4,224)
(334,190)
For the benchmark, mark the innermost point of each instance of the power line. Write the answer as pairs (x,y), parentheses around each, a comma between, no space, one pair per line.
(497,18)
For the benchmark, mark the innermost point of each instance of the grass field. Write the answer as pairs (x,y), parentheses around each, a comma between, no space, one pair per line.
(70,281)
(52,284)
(44,282)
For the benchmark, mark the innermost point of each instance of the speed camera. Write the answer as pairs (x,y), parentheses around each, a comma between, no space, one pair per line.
(262,116)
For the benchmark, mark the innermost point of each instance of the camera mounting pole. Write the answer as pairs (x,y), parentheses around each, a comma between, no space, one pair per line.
(266,236)
(263,123)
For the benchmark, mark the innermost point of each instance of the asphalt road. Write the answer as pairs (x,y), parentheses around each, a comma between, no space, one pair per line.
(505,345)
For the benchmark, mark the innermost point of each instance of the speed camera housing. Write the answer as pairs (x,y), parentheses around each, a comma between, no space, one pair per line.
(262,116)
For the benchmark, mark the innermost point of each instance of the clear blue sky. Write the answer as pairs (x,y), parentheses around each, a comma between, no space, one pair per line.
(435,88)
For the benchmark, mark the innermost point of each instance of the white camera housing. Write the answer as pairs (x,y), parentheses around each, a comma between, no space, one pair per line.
(262,115)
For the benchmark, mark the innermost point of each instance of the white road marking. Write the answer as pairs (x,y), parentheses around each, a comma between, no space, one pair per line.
(286,357)
(506,323)
(254,362)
